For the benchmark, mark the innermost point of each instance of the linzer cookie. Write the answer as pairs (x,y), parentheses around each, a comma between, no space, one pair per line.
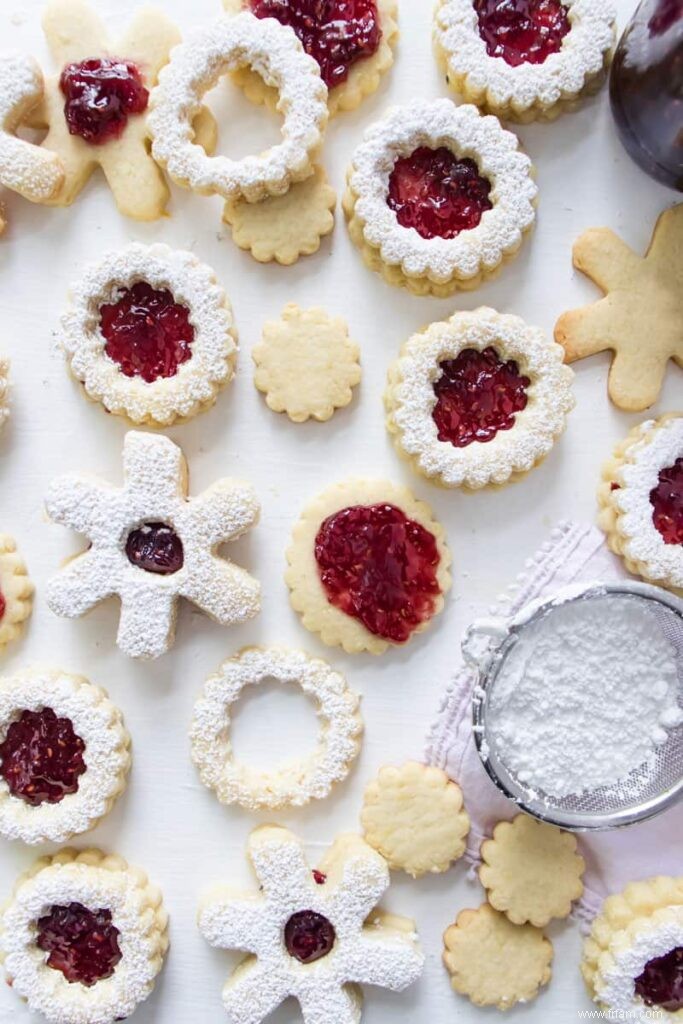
(314,935)
(16,592)
(527,60)
(439,197)
(151,544)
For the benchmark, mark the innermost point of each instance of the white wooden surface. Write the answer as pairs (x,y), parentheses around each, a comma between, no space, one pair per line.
(167,822)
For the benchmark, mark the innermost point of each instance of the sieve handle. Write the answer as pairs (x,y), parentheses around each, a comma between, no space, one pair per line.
(477,646)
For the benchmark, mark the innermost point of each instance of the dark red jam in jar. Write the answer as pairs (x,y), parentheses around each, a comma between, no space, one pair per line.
(336,33)
(437,193)
(477,395)
(379,567)
(83,944)
(667,501)
(309,936)
(661,983)
(646,89)
(156,548)
(101,94)
(522,31)
(147,332)
(41,758)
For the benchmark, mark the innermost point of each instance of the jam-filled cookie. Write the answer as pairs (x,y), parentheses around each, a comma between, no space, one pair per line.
(16,592)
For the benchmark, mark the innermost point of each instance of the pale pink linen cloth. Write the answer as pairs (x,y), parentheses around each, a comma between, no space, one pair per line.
(575,553)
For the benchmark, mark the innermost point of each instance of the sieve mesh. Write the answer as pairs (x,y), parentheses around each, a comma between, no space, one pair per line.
(647,789)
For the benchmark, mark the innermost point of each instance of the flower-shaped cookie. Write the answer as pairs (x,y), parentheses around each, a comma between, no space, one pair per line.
(95,106)
(302,918)
(414,816)
(64,756)
(641,501)
(306,364)
(633,960)
(283,228)
(32,171)
(83,937)
(151,544)
(302,779)
(150,334)
(494,962)
(531,871)
(16,592)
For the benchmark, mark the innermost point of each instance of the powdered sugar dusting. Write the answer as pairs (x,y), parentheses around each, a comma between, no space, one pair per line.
(155,490)
(301,779)
(35,173)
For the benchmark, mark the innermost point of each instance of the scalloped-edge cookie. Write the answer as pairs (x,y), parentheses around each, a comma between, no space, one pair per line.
(364,75)
(494,962)
(64,756)
(16,592)
(379,527)
(310,776)
(641,503)
(284,228)
(434,408)
(531,871)
(414,816)
(306,364)
(111,906)
(632,959)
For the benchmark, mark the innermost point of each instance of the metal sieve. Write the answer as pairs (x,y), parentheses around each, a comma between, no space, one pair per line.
(648,790)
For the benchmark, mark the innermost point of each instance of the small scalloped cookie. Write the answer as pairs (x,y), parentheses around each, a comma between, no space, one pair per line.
(167,398)
(506,455)
(98,735)
(629,478)
(413,815)
(302,779)
(525,92)
(309,596)
(494,962)
(16,592)
(284,228)
(531,871)
(138,926)
(634,927)
(364,76)
(306,364)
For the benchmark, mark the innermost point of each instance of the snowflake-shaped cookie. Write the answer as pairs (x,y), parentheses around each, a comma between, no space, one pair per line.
(33,172)
(303,918)
(151,544)
(641,317)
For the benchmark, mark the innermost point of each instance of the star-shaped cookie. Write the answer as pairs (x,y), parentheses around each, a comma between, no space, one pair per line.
(641,317)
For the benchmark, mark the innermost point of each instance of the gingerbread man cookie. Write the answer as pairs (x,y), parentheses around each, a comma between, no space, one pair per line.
(95,107)
(641,317)
(32,171)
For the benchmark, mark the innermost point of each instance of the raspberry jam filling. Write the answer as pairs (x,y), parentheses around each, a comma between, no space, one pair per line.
(83,944)
(437,193)
(3,605)
(379,567)
(156,548)
(661,983)
(522,31)
(336,33)
(667,501)
(319,878)
(477,395)
(309,936)
(101,94)
(147,332)
(41,758)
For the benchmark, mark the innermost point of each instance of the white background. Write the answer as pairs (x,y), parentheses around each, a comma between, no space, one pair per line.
(167,822)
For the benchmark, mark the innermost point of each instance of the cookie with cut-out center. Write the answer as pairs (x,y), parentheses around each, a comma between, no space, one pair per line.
(16,592)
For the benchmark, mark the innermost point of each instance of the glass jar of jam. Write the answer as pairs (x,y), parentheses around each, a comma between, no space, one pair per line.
(646,89)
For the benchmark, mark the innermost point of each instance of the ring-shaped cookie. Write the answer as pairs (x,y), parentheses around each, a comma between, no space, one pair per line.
(195,67)
(92,881)
(411,399)
(310,777)
(197,381)
(16,592)
(439,265)
(101,736)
